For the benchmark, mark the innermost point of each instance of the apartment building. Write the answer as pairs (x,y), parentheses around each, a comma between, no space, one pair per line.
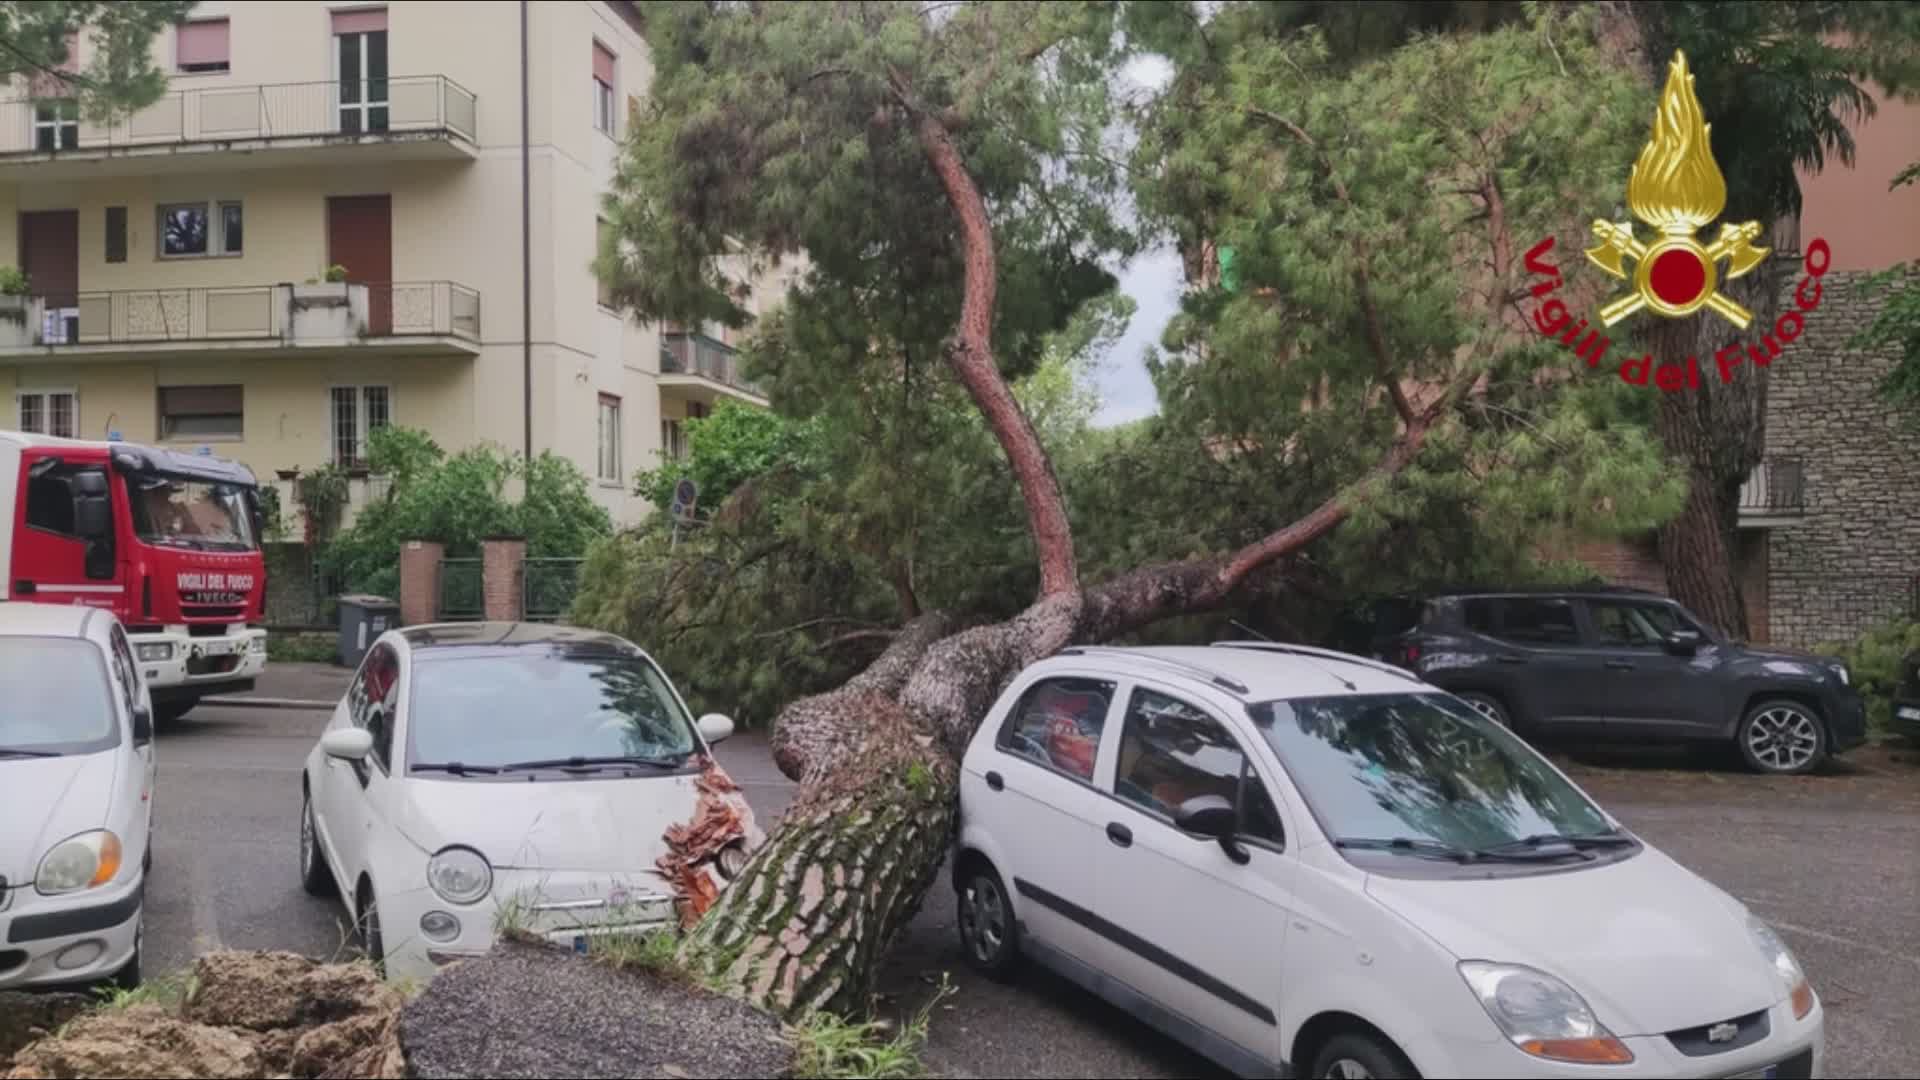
(318,230)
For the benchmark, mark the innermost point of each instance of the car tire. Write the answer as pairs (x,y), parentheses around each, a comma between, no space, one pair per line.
(1488,706)
(1356,1056)
(989,934)
(315,876)
(371,940)
(1782,737)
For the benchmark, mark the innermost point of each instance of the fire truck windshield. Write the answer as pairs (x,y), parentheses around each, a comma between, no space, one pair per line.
(191,513)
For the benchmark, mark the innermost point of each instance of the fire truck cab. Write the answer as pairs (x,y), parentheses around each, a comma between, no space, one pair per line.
(168,541)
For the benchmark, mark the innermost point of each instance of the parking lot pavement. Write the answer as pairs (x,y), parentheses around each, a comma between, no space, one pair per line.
(1830,860)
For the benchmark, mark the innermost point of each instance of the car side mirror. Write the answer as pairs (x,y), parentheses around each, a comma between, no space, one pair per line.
(348,743)
(1683,642)
(1214,817)
(142,725)
(92,516)
(715,727)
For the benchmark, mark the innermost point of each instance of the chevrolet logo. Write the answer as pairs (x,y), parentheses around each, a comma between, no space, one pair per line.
(1720,1033)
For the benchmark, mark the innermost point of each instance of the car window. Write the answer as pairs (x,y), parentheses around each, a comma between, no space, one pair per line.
(1478,614)
(374,708)
(1530,620)
(58,697)
(1622,624)
(1058,723)
(1171,751)
(126,673)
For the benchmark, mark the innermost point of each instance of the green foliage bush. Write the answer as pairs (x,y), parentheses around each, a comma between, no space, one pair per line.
(1876,662)
(460,500)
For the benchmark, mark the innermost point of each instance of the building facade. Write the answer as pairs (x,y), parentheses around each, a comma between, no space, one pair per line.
(318,230)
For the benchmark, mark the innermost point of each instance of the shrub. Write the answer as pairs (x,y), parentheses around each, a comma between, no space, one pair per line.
(1876,662)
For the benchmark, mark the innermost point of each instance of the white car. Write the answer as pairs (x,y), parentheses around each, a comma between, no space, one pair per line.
(1302,863)
(76,798)
(485,776)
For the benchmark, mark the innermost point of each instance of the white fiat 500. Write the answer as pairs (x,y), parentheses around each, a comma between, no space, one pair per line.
(478,775)
(76,797)
(1303,863)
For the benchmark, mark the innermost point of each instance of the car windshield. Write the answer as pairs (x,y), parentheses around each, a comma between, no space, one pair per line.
(490,711)
(1421,767)
(190,513)
(56,701)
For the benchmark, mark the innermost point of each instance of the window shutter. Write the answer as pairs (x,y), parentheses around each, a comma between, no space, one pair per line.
(359,20)
(203,42)
(602,64)
(116,234)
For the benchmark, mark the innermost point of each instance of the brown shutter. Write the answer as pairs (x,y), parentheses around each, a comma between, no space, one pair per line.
(116,234)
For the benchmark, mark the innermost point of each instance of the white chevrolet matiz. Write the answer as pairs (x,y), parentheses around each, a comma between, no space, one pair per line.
(1299,862)
(76,797)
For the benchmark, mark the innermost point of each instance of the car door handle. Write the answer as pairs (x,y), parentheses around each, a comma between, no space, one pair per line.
(1119,834)
(1511,658)
(1620,665)
(25,587)
(996,781)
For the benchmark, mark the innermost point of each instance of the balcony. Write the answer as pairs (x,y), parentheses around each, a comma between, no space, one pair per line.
(1775,494)
(394,318)
(702,369)
(427,116)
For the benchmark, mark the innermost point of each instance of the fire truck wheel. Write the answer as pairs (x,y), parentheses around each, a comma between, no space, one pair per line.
(170,713)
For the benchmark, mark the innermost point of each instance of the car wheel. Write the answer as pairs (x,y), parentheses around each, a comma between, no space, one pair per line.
(315,876)
(1360,1057)
(1782,737)
(371,941)
(1488,706)
(988,934)
(128,977)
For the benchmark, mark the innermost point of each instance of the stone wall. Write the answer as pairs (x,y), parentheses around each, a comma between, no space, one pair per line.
(1852,560)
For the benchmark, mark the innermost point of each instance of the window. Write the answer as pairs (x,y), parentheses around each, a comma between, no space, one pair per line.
(372,702)
(200,412)
(57,697)
(1526,620)
(1058,724)
(603,244)
(117,234)
(357,411)
(602,88)
(360,69)
(190,230)
(125,671)
(1172,752)
(201,47)
(673,443)
(1627,624)
(49,412)
(56,125)
(50,501)
(609,437)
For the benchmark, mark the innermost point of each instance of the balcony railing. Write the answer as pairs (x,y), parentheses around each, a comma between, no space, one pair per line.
(289,313)
(1776,488)
(698,354)
(418,104)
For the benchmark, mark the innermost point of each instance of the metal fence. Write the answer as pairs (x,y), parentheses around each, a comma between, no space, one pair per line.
(284,313)
(547,587)
(462,591)
(363,108)
(698,354)
(1778,486)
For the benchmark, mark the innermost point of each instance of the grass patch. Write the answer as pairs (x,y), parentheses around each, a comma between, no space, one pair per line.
(168,992)
(827,1047)
(653,952)
(301,648)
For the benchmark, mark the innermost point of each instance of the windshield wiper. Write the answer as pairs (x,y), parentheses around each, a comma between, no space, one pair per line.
(593,763)
(457,768)
(21,751)
(1429,849)
(1577,841)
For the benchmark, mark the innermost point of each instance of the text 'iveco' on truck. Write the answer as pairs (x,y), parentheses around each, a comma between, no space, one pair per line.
(168,541)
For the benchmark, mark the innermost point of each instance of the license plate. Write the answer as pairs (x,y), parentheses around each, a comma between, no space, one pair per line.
(1908,712)
(221,648)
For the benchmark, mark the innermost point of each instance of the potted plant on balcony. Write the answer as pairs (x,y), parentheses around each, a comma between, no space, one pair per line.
(327,308)
(15,302)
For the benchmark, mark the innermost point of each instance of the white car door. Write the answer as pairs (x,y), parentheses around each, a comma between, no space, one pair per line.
(1032,792)
(351,786)
(131,693)
(1198,929)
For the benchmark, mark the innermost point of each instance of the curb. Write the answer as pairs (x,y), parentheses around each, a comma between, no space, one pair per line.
(269,703)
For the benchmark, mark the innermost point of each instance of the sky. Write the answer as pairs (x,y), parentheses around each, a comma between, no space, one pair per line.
(1153,279)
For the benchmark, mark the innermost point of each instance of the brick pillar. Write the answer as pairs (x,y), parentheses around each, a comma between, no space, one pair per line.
(502,561)
(420,581)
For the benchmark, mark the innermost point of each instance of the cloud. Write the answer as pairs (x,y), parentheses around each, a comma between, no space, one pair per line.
(1154,280)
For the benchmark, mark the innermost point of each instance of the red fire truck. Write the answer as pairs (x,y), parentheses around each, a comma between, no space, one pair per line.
(168,541)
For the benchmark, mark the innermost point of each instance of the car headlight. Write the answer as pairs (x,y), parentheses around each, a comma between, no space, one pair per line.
(80,862)
(1785,967)
(259,645)
(1542,1015)
(1841,670)
(460,875)
(155,652)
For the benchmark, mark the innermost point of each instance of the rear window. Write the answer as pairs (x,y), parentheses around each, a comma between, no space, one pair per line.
(57,700)
(1527,620)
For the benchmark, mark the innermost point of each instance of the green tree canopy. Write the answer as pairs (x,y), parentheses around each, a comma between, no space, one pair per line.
(120,75)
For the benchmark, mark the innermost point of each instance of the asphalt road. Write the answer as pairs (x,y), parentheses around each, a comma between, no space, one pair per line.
(1832,861)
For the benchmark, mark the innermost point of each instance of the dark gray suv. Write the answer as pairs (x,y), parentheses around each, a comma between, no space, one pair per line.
(1614,663)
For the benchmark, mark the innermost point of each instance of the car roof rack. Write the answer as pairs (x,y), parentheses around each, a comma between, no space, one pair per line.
(1596,588)
(1323,654)
(1182,666)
